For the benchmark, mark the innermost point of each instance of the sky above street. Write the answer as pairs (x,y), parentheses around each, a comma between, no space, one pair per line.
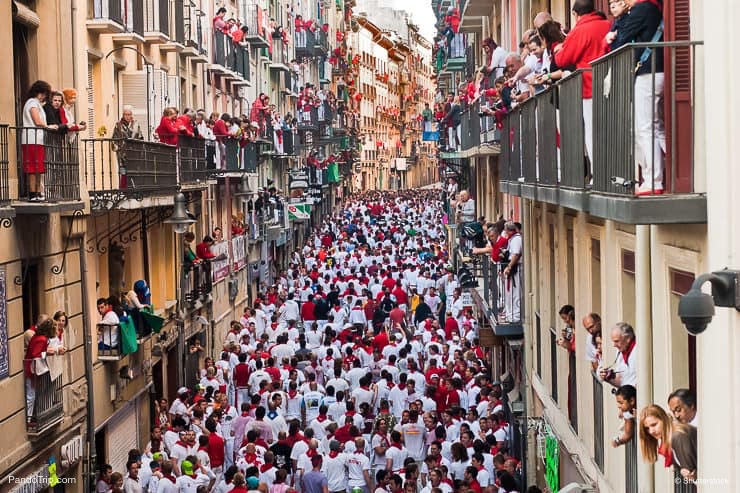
(421,14)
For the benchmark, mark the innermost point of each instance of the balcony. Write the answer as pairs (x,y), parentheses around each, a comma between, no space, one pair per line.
(307,120)
(456,53)
(305,42)
(107,17)
(109,342)
(257,21)
(58,154)
(543,155)
(194,39)
(497,297)
(197,284)
(119,171)
(279,57)
(223,53)
(45,400)
(240,158)
(157,21)
(320,44)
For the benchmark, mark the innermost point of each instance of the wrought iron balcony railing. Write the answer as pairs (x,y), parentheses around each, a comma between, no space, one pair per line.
(44,398)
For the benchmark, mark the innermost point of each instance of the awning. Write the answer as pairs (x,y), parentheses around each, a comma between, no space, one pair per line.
(24,15)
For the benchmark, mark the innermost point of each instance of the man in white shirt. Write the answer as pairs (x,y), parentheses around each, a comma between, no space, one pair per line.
(335,468)
(624,370)
(414,436)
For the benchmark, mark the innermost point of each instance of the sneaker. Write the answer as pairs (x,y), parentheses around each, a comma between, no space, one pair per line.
(33,197)
(40,197)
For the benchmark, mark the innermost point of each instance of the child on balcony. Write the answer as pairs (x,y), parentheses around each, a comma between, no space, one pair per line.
(626,404)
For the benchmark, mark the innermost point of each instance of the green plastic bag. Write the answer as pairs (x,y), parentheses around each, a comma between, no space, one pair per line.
(129,343)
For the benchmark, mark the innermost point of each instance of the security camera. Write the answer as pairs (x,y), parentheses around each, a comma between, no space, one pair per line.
(696,310)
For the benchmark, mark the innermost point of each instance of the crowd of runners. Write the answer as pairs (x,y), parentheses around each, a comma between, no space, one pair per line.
(359,370)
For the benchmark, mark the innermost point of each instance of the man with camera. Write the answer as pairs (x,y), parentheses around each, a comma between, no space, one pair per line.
(624,369)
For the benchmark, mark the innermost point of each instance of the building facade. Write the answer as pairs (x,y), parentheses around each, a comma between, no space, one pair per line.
(590,242)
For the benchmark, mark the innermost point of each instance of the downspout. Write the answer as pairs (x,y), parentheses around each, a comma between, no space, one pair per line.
(73,10)
(643,333)
(89,473)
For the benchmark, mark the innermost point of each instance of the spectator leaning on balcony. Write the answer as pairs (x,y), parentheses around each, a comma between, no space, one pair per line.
(592,324)
(34,364)
(512,273)
(67,113)
(169,128)
(682,404)
(675,441)
(624,369)
(32,137)
(108,334)
(127,127)
(584,44)
(644,24)
(495,59)
(219,22)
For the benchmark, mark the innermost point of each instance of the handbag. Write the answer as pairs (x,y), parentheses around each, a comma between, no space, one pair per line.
(39,366)
(648,51)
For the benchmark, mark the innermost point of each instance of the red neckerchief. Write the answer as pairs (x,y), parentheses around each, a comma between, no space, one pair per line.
(244,415)
(397,445)
(350,413)
(203,448)
(181,443)
(333,454)
(626,354)
(311,452)
(266,467)
(170,477)
(667,455)
(385,443)
(401,386)
(261,443)
(250,458)
(292,393)
(321,418)
(365,387)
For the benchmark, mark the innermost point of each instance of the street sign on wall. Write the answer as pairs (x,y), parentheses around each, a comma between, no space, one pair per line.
(298,212)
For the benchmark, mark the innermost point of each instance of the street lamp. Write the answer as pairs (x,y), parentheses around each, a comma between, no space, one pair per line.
(180,220)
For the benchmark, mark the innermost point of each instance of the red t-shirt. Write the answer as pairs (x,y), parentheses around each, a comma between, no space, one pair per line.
(216,450)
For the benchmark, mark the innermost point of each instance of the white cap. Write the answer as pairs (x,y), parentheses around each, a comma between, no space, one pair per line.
(182,390)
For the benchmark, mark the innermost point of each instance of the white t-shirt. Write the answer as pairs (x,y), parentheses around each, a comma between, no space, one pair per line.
(414,437)
(32,136)
(398,456)
(334,468)
(356,464)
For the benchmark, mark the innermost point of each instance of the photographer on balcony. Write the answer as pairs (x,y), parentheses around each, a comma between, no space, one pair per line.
(644,24)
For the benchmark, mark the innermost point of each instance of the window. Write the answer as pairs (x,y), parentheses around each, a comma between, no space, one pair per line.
(595,275)
(628,287)
(31,291)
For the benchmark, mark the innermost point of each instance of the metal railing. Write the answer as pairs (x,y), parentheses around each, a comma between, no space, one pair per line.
(241,61)
(157,16)
(680,485)
(53,158)
(280,52)
(163,13)
(240,156)
(554,350)
(305,41)
(256,21)
(457,46)
(223,50)
(654,134)
(109,9)
(4,165)
(321,43)
(598,395)
(630,461)
(130,166)
(194,28)
(197,281)
(44,400)
(109,341)
(196,159)
(307,119)
(552,152)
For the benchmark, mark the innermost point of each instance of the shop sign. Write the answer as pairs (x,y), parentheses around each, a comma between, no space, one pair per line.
(298,212)
(72,452)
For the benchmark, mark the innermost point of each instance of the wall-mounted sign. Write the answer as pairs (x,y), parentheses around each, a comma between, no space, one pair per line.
(298,212)
(71,452)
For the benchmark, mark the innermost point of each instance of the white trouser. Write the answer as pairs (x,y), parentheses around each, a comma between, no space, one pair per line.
(229,453)
(588,132)
(242,396)
(513,297)
(30,396)
(649,129)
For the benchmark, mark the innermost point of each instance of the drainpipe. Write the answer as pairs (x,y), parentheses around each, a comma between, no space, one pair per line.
(643,332)
(89,473)
(73,10)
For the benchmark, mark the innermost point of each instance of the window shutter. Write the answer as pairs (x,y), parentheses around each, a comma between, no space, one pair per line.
(90,102)
(173,91)
(678,88)
(122,435)
(134,93)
